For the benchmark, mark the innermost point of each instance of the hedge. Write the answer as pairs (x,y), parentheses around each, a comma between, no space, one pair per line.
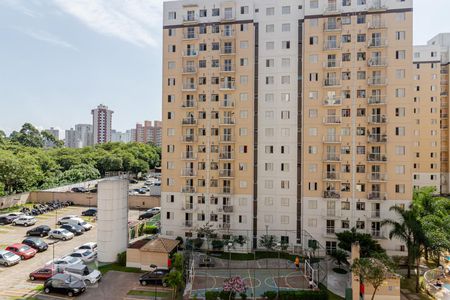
(297,295)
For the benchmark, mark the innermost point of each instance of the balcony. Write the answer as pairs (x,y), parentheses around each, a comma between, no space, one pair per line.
(332,157)
(379,62)
(227,86)
(227,138)
(227,104)
(189,70)
(376,157)
(188,189)
(228,17)
(188,206)
(375,214)
(332,26)
(189,87)
(226,156)
(190,53)
(227,121)
(331,82)
(188,156)
(331,194)
(226,225)
(377,138)
(332,139)
(226,173)
(188,223)
(331,45)
(377,119)
(228,51)
(377,234)
(332,102)
(228,68)
(226,190)
(376,5)
(377,177)
(332,176)
(188,172)
(376,100)
(332,120)
(379,24)
(377,196)
(189,121)
(190,138)
(331,9)
(189,104)
(332,64)
(228,209)
(190,19)
(190,36)
(377,43)
(227,34)
(376,81)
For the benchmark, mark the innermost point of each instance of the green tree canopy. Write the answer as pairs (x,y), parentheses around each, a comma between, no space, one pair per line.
(369,246)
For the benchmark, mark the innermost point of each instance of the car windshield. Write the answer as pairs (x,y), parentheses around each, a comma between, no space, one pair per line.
(64,231)
(24,248)
(72,260)
(8,255)
(87,253)
(83,223)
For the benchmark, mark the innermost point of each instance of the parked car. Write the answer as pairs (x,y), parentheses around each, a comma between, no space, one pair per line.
(65,219)
(155,210)
(61,264)
(4,220)
(79,189)
(41,230)
(86,256)
(61,234)
(36,243)
(25,221)
(84,273)
(22,250)
(146,215)
(154,277)
(43,273)
(64,284)
(133,181)
(16,215)
(75,229)
(91,212)
(7,258)
(88,246)
(80,222)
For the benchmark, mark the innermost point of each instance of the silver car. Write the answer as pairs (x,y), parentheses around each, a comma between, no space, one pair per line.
(62,263)
(8,258)
(86,256)
(61,234)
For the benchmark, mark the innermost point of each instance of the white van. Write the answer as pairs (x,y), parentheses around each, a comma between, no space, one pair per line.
(84,273)
(80,222)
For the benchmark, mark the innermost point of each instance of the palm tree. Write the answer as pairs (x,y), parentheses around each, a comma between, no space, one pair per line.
(340,257)
(174,280)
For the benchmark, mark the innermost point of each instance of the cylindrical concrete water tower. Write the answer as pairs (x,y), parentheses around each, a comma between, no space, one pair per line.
(112,224)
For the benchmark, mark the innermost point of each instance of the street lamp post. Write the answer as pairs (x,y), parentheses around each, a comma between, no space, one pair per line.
(229,259)
(154,267)
(278,269)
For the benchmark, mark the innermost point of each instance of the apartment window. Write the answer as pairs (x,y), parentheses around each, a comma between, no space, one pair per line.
(285,97)
(269,132)
(244,10)
(400,54)
(400,112)
(270,80)
(314,4)
(400,93)
(360,206)
(215,12)
(313,40)
(345,205)
(313,76)
(400,74)
(346,57)
(270,28)
(361,38)
(286,27)
(172,48)
(268,201)
(361,19)
(312,131)
(360,225)
(400,131)
(284,219)
(202,29)
(243,44)
(361,75)
(346,38)
(243,97)
(312,149)
(268,184)
(270,11)
(172,15)
(268,167)
(285,62)
(314,22)
(312,186)
(400,150)
(400,188)
(170,98)
(285,79)
(243,79)
(285,10)
(285,45)
(270,45)
(400,35)
(244,27)
(284,184)
(269,98)
(400,169)
(285,115)
(171,32)
(400,16)
(270,63)
(268,149)
(284,150)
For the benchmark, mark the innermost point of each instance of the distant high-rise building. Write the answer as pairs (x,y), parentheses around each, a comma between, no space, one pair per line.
(149,132)
(132,133)
(55,133)
(81,136)
(102,124)
(121,137)
(71,140)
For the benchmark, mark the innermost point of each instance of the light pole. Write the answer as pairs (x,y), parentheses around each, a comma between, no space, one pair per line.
(229,258)
(154,267)
(278,269)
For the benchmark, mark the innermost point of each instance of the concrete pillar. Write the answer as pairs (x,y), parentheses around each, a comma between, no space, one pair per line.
(355,254)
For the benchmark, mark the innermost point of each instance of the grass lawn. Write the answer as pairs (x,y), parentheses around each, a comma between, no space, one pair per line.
(154,220)
(15,208)
(149,293)
(39,288)
(410,284)
(116,267)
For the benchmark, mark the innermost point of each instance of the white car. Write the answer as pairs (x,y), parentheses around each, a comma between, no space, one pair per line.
(80,222)
(88,246)
(155,210)
(60,234)
(61,264)
(86,256)
(84,273)
(64,219)
(25,221)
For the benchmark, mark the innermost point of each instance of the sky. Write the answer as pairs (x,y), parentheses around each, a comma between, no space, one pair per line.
(61,58)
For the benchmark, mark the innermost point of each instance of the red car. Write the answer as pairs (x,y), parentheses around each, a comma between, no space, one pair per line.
(22,250)
(43,273)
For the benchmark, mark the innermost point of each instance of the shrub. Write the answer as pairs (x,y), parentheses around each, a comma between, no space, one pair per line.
(212,295)
(150,229)
(217,244)
(270,295)
(140,229)
(180,239)
(122,259)
(198,243)
(243,296)
(297,295)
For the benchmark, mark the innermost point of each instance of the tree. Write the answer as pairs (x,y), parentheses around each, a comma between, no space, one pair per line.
(50,138)
(372,270)
(340,257)
(268,241)
(369,246)
(28,136)
(206,231)
(174,280)
(80,173)
(2,137)
(178,261)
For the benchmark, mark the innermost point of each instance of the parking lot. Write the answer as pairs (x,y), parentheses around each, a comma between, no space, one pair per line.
(14,283)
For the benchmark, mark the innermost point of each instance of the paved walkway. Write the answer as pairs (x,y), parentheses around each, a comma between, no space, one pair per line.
(337,283)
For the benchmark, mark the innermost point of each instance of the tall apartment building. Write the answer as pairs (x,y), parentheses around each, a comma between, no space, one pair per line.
(121,137)
(71,139)
(290,118)
(102,124)
(55,133)
(85,133)
(149,132)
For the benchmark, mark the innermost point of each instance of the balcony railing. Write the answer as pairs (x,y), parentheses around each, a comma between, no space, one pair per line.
(332,120)
(188,172)
(331,45)
(379,24)
(332,157)
(228,50)
(226,190)
(189,87)
(189,104)
(188,189)
(377,177)
(188,155)
(332,26)
(331,82)
(227,17)
(331,9)
(226,104)
(190,138)
(227,86)
(190,19)
(376,5)
(228,33)
(190,36)
(377,43)
(332,102)
(227,138)
(331,176)
(228,209)
(189,121)
(377,62)
(377,196)
(377,119)
(228,68)
(226,156)
(331,194)
(376,157)
(226,173)
(189,70)
(377,234)
(227,121)
(376,100)
(332,64)
(375,214)
(188,223)
(377,138)
(190,53)
(332,139)
(377,81)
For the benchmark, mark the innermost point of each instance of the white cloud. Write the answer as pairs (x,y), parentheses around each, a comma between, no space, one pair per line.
(47,37)
(20,6)
(135,21)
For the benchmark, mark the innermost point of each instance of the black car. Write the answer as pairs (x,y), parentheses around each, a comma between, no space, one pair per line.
(91,212)
(146,215)
(41,231)
(36,243)
(4,220)
(79,190)
(75,229)
(133,181)
(154,277)
(64,284)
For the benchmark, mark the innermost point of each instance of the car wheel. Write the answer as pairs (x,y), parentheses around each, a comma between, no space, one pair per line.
(70,293)
(143,283)
(63,238)
(47,290)
(26,224)
(5,264)
(42,235)
(13,223)
(51,236)
(22,257)
(32,278)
